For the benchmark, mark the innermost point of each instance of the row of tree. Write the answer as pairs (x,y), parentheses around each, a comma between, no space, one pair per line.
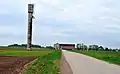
(25,45)
(94,47)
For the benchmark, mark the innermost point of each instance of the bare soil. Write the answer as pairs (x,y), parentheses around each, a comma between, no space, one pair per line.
(13,64)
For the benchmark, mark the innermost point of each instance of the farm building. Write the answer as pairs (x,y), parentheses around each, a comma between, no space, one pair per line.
(64,46)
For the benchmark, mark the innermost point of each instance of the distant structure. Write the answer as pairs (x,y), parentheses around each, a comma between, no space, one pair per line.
(30,18)
(58,46)
(81,46)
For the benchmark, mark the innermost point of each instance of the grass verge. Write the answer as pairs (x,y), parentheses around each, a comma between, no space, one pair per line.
(109,56)
(47,64)
(23,52)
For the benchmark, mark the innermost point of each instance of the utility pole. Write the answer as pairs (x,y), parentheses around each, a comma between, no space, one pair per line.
(30,20)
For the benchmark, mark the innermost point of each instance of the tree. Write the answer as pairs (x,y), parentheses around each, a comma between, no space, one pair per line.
(36,46)
(85,47)
(106,49)
(13,45)
(93,47)
(49,47)
(24,46)
(110,49)
(90,47)
(101,48)
(81,46)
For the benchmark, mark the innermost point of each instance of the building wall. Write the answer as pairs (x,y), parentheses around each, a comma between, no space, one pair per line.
(68,47)
(64,46)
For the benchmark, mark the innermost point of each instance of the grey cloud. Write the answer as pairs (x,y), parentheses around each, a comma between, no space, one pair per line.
(65,21)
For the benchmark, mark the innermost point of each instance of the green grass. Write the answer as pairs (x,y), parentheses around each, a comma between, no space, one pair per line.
(109,56)
(4,51)
(24,53)
(47,64)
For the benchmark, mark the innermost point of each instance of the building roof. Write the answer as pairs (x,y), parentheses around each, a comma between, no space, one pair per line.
(67,44)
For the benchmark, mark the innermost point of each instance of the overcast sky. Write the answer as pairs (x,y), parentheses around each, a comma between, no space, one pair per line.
(63,21)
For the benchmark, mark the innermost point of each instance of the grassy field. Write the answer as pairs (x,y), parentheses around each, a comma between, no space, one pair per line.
(48,61)
(109,56)
(47,64)
(22,52)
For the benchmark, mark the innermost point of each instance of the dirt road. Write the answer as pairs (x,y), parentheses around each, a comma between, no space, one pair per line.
(82,64)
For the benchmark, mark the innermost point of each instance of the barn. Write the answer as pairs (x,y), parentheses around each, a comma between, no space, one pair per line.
(64,46)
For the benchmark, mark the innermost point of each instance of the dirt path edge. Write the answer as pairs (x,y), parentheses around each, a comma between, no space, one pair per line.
(27,65)
(64,66)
